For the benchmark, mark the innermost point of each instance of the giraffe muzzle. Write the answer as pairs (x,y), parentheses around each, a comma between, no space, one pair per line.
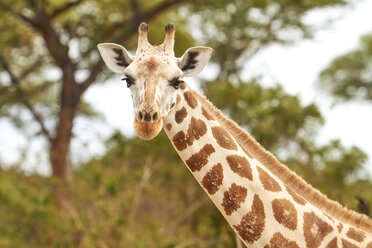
(147,124)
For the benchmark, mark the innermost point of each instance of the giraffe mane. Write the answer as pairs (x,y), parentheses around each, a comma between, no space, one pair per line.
(288,177)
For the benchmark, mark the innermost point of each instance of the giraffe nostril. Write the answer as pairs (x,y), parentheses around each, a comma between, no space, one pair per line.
(147,117)
(154,116)
(140,115)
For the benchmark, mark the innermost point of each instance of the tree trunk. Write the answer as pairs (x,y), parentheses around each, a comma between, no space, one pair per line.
(61,143)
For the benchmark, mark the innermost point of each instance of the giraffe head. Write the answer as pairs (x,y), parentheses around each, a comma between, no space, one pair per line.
(153,76)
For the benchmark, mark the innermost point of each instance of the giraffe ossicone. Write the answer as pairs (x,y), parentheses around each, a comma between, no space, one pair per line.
(265,203)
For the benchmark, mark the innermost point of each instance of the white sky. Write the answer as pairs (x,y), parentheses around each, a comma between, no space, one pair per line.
(296,67)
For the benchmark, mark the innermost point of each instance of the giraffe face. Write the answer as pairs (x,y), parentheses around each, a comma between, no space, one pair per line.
(153,76)
(153,82)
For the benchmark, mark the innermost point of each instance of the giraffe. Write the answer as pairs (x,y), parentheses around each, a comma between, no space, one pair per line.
(264,202)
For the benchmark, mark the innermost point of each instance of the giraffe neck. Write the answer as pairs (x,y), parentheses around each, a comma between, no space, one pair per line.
(260,207)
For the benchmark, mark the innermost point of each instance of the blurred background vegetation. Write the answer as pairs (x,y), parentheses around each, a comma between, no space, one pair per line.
(139,194)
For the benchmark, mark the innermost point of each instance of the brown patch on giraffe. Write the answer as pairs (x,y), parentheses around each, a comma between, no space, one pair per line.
(183,85)
(233,198)
(200,159)
(197,129)
(279,241)
(240,166)
(253,223)
(332,243)
(179,141)
(347,244)
(206,114)
(178,98)
(357,235)
(190,99)
(340,227)
(369,245)
(223,138)
(180,115)
(169,126)
(151,64)
(268,182)
(295,197)
(285,213)
(213,179)
(315,230)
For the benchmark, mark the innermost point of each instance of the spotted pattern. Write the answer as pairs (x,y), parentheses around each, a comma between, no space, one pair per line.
(190,99)
(357,235)
(279,241)
(315,230)
(180,115)
(285,213)
(347,244)
(169,126)
(200,159)
(240,166)
(332,243)
(207,115)
(253,223)
(233,198)
(296,197)
(179,141)
(223,138)
(213,179)
(196,130)
(268,182)
(178,99)
(183,85)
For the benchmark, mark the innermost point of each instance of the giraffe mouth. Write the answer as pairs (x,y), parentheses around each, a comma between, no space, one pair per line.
(147,130)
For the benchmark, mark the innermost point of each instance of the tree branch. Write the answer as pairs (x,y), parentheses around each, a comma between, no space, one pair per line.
(95,71)
(135,7)
(29,21)
(15,81)
(144,17)
(63,9)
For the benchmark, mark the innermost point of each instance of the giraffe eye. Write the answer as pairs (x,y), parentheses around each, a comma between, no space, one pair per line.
(176,82)
(129,81)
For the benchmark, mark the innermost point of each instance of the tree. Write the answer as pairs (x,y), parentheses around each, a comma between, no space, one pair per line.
(349,77)
(40,36)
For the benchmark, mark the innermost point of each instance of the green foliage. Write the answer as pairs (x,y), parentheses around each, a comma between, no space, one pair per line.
(264,111)
(349,76)
(138,195)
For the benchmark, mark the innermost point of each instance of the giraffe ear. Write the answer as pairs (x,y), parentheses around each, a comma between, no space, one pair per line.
(194,60)
(115,56)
